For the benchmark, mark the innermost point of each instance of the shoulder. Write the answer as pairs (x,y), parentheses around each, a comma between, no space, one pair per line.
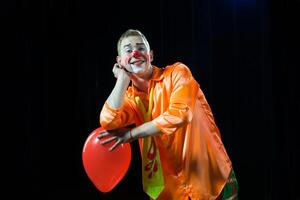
(177,69)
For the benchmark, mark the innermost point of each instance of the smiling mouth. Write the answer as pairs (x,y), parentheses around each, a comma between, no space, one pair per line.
(137,61)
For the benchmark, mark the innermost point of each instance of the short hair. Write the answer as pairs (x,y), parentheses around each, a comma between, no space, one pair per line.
(128,33)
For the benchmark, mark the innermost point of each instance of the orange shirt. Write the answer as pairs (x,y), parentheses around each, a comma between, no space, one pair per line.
(194,161)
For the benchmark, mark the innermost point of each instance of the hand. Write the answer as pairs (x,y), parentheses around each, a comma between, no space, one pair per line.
(120,136)
(120,71)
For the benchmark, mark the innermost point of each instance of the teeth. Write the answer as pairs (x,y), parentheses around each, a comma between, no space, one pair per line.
(137,61)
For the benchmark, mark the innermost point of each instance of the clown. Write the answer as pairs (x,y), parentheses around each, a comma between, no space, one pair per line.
(183,156)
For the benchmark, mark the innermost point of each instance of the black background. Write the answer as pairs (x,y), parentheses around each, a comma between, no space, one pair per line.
(56,75)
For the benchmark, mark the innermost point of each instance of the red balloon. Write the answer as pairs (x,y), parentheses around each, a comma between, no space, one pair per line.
(105,168)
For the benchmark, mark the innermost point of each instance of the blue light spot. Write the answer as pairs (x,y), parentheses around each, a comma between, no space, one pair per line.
(245,3)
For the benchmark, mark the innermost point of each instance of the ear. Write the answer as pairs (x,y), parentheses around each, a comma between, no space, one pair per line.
(151,55)
(118,59)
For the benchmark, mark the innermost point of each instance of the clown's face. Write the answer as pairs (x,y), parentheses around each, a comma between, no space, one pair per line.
(135,56)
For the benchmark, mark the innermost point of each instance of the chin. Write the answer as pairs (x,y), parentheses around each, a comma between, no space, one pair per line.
(137,69)
(140,74)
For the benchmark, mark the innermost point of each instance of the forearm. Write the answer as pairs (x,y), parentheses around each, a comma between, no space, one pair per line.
(144,130)
(116,97)
(124,135)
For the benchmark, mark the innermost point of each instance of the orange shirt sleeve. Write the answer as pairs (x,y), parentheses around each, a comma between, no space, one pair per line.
(111,118)
(181,102)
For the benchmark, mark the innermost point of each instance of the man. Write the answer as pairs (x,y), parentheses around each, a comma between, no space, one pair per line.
(183,156)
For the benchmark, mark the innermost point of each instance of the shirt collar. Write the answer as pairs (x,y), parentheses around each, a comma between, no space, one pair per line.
(157,73)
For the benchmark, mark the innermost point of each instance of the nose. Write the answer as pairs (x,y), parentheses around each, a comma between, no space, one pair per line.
(135,54)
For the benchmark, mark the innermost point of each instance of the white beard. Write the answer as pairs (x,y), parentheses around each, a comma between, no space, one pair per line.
(136,69)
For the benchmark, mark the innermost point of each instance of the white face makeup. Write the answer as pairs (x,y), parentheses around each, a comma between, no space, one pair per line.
(135,55)
(136,69)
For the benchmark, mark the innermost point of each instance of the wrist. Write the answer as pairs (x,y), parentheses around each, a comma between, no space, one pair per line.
(130,134)
(123,76)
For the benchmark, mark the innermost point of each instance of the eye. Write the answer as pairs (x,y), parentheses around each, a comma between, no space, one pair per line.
(141,48)
(128,50)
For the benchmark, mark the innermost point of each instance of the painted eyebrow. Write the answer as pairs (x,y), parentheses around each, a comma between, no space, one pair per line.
(138,44)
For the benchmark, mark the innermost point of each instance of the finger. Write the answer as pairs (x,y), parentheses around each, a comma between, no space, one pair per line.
(103,134)
(116,65)
(115,145)
(108,140)
(117,69)
(120,65)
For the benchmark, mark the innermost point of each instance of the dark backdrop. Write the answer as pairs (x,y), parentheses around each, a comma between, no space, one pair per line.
(244,54)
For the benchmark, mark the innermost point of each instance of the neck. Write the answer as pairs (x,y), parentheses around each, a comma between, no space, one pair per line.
(148,75)
(141,83)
